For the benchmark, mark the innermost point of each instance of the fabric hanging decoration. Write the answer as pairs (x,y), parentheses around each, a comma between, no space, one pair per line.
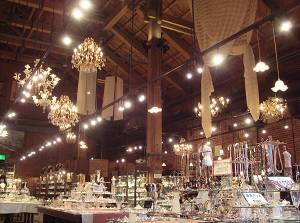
(215,21)
(113,90)
(86,93)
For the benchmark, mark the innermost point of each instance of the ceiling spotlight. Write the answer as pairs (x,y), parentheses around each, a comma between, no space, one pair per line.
(85,126)
(189,75)
(85,4)
(286,126)
(142,98)
(23,100)
(286,26)
(99,119)
(121,108)
(246,135)
(208,143)
(117,161)
(140,147)
(93,122)
(130,149)
(122,160)
(235,124)
(127,104)
(77,13)
(264,131)
(218,59)
(213,129)
(166,152)
(54,142)
(67,40)
(199,69)
(201,133)
(135,148)
(170,140)
(248,120)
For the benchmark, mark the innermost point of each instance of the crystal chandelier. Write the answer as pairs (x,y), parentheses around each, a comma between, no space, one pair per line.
(63,113)
(272,110)
(88,56)
(42,82)
(183,148)
(71,137)
(215,106)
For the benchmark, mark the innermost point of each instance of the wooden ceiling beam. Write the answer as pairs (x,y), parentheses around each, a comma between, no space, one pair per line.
(30,44)
(28,59)
(168,22)
(123,66)
(178,43)
(129,41)
(53,7)
(119,11)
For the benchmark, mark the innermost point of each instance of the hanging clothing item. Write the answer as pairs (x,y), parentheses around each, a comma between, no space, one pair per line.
(113,90)
(86,93)
(216,20)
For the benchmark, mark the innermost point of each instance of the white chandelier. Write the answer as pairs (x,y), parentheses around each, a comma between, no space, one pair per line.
(42,82)
(63,113)
(88,56)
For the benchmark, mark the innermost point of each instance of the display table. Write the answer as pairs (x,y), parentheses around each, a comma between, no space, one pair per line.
(53,215)
(29,208)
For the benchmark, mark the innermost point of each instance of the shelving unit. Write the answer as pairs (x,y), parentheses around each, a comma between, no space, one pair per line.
(131,185)
(53,184)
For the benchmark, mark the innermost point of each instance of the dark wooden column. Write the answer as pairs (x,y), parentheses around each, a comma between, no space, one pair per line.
(154,120)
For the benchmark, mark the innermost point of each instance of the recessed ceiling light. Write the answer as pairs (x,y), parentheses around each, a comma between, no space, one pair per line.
(235,124)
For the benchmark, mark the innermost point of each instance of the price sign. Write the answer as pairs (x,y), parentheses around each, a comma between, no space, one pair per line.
(254,198)
(98,188)
(222,167)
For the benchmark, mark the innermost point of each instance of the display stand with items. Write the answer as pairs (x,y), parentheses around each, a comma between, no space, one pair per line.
(251,184)
(54,184)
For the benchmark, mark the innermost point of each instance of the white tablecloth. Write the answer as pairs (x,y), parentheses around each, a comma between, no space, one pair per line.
(18,207)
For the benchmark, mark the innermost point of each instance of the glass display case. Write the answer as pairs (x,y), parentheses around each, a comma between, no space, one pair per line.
(130,186)
(54,184)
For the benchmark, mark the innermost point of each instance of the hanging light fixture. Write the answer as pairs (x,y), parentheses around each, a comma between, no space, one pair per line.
(88,56)
(279,84)
(272,109)
(71,137)
(183,148)
(216,106)
(63,113)
(260,66)
(42,82)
